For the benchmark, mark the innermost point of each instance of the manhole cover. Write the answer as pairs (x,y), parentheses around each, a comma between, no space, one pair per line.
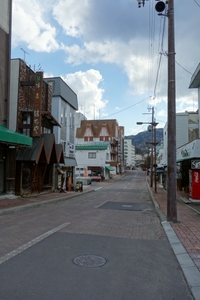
(89,261)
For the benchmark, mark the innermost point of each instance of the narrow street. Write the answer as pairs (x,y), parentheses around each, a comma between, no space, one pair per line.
(105,244)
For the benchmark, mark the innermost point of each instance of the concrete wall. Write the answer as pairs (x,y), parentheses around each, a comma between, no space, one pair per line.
(14,89)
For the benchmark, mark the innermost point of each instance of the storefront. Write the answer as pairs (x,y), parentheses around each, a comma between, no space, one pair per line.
(188,159)
(10,142)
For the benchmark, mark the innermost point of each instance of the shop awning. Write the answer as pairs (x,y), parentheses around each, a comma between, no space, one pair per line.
(108,168)
(13,137)
(160,170)
(70,162)
(51,119)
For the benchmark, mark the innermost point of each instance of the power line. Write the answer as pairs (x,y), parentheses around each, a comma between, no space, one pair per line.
(127,107)
(197,3)
(183,68)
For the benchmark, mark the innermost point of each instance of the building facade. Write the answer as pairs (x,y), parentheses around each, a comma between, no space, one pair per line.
(91,160)
(10,140)
(64,107)
(129,153)
(104,131)
(30,115)
(187,136)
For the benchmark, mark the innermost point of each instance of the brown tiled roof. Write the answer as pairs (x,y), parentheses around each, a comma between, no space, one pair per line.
(60,153)
(96,126)
(36,153)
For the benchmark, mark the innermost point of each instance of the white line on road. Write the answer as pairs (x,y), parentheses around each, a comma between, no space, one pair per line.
(31,243)
(101,204)
(118,193)
(98,188)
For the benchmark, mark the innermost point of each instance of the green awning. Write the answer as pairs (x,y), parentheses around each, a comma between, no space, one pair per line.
(13,137)
(108,168)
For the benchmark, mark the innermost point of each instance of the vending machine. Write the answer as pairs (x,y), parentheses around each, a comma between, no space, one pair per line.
(194,185)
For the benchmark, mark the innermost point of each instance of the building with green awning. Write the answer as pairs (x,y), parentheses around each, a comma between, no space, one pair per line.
(108,168)
(14,138)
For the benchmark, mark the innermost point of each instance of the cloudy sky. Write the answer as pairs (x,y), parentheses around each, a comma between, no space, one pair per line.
(111,53)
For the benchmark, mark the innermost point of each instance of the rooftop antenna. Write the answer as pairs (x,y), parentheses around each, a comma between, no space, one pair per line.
(25,52)
(39,68)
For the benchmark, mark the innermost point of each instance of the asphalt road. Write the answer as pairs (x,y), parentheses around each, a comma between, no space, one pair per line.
(106,244)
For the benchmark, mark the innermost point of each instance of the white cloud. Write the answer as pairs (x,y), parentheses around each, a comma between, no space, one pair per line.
(87,87)
(29,26)
(187,103)
(98,34)
(72,16)
(134,64)
(161,113)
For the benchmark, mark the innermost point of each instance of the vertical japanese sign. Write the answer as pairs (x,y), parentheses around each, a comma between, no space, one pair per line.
(37,104)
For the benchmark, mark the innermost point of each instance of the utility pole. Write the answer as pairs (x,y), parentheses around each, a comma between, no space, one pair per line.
(152,141)
(171,147)
(171,143)
(152,148)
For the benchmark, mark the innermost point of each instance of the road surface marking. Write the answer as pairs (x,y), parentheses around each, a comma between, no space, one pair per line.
(31,243)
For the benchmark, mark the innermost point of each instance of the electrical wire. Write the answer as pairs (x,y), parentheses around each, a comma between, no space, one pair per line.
(183,68)
(197,3)
(127,107)
(160,54)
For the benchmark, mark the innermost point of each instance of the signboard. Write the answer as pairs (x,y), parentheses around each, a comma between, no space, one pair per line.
(189,151)
(85,174)
(37,104)
(195,164)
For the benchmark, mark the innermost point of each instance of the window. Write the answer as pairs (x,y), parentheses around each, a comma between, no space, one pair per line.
(27,123)
(66,117)
(92,155)
(70,120)
(73,121)
(88,138)
(64,146)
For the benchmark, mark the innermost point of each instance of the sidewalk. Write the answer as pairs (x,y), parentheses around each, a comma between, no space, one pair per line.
(10,203)
(187,227)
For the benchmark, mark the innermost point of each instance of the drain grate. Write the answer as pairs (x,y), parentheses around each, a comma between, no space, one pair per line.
(89,261)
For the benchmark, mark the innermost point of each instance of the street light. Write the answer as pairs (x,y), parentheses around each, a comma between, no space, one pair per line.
(154,124)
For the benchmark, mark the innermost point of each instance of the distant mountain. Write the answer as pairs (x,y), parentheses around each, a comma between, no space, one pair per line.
(139,140)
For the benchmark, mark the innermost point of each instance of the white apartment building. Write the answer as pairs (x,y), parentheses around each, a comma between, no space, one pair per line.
(129,153)
(187,130)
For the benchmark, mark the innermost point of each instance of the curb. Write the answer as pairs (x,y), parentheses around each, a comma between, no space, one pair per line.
(19,208)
